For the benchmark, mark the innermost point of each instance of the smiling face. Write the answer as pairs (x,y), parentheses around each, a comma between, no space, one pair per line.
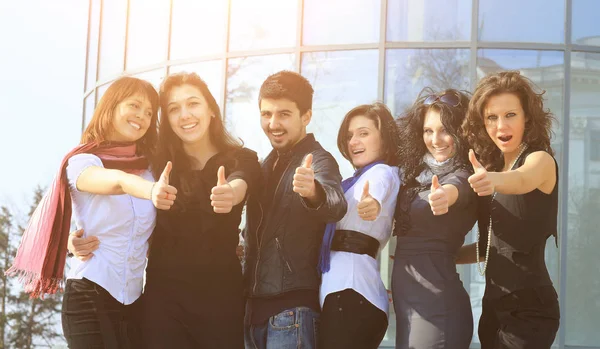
(504,121)
(131,119)
(365,144)
(189,114)
(438,141)
(281,121)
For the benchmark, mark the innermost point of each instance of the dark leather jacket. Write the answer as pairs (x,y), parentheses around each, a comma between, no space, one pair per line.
(283,244)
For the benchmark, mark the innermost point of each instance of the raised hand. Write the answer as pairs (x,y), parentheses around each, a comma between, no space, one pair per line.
(163,194)
(304,179)
(480,180)
(368,208)
(438,198)
(82,248)
(222,195)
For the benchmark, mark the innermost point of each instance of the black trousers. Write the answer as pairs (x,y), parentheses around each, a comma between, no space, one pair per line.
(524,319)
(349,320)
(92,318)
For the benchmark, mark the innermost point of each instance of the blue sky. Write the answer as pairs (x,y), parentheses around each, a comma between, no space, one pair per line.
(42,64)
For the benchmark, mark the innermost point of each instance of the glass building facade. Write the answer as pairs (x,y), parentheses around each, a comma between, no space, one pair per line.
(359,51)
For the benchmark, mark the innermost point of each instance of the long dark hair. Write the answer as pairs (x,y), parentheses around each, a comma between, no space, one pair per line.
(412,148)
(171,147)
(538,121)
(384,121)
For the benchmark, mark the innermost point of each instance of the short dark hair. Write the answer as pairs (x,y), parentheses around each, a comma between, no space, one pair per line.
(383,119)
(289,85)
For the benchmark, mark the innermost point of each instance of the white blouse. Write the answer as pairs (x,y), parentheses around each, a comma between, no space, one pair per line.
(122,223)
(360,271)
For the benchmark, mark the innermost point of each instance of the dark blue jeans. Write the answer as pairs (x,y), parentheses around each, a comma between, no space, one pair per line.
(92,318)
(295,328)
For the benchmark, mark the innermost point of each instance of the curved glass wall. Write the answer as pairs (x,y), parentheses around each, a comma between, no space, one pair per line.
(359,51)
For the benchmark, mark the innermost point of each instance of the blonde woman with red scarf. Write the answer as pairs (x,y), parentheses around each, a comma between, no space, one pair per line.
(108,184)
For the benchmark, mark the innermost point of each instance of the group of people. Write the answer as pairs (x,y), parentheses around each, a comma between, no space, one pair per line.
(173,195)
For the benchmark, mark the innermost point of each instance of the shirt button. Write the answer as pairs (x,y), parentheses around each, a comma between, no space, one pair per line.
(340,309)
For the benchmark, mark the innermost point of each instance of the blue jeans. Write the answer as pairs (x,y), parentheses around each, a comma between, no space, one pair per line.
(295,328)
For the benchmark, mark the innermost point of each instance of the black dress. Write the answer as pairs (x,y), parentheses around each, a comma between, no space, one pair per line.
(520,305)
(194,296)
(433,309)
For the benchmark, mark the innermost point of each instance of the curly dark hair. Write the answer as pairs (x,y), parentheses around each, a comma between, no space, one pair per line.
(538,121)
(289,85)
(413,148)
(383,119)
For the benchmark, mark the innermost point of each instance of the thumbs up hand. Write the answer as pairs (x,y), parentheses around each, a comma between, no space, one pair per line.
(368,208)
(480,180)
(304,179)
(163,194)
(222,195)
(438,198)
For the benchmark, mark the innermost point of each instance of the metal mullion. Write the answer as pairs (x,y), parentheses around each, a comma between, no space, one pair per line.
(430,44)
(345,47)
(87,62)
(299,29)
(474,44)
(126,35)
(584,48)
(564,178)
(266,52)
(225,62)
(100,18)
(521,46)
(382,52)
(170,30)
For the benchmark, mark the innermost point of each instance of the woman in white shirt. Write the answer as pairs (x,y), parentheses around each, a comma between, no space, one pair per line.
(106,181)
(353,297)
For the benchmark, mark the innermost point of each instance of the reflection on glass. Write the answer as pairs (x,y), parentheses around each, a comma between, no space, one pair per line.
(244,78)
(147,33)
(583,289)
(408,71)
(197,28)
(155,77)
(353,22)
(546,70)
(92,55)
(88,108)
(211,72)
(341,80)
(515,20)
(586,30)
(429,20)
(112,41)
(262,24)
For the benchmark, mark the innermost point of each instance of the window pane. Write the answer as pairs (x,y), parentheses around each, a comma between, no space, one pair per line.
(210,72)
(586,30)
(197,28)
(88,108)
(148,32)
(408,71)
(244,78)
(512,20)
(341,80)
(583,290)
(262,24)
(546,70)
(100,91)
(92,55)
(429,20)
(112,38)
(353,22)
(155,77)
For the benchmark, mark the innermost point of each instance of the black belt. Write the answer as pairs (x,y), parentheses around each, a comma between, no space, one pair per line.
(355,242)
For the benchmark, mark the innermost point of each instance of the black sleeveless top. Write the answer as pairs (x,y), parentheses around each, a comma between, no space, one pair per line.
(521,225)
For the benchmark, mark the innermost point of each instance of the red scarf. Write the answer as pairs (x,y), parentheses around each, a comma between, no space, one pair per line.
(40,260)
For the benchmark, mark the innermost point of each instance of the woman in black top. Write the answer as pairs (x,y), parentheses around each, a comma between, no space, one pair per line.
(436,208)
(516,178)
(193,296)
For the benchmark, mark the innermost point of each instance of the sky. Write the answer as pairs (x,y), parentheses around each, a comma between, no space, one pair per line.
(42,66)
